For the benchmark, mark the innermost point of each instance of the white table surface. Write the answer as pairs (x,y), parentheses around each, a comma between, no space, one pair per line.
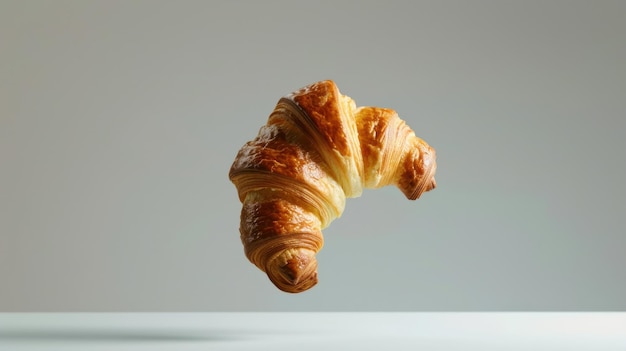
(312,331)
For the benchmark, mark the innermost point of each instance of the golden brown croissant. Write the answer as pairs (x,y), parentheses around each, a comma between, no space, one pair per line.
(316,150)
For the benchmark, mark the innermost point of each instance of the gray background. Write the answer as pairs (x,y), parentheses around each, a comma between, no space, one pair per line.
(119,121)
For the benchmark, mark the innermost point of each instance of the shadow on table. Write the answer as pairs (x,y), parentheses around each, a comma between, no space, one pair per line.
(99,335)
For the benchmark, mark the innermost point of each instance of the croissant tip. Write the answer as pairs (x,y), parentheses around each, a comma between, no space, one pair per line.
(423,182)
(422,187)
(295,272)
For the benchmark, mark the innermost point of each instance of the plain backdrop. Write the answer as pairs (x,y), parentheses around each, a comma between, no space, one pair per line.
(119,121)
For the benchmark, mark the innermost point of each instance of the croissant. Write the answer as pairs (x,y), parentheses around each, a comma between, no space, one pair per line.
(316,150)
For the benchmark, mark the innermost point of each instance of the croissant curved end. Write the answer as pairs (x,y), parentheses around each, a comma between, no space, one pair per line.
(427,181)
(294,270)
(417,171)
